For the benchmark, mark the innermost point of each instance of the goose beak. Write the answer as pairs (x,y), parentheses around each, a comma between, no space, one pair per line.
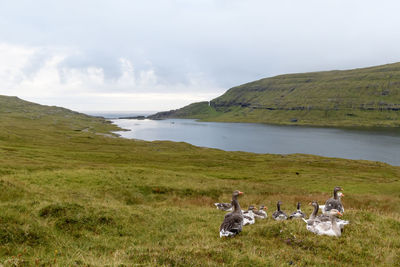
(310,203)
(240,193)
(340,214)
(342,195)
(265,208)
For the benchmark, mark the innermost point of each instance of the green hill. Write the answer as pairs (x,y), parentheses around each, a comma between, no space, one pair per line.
(358,97)
(19,117)
(71,195)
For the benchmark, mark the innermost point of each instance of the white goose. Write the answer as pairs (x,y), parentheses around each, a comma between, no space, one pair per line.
(261,213)
(325,224)
(248,216)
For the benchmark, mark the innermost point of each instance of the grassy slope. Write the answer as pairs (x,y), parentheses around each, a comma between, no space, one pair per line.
(359,97)
(74,197)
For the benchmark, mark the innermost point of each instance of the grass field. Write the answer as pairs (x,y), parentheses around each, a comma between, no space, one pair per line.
(71,195)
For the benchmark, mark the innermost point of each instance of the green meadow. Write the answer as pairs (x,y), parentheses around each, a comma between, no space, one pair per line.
(73,194)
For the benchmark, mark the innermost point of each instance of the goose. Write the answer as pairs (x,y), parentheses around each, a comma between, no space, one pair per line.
(224,206)
(297,214)
(330,227)
(325,219)
(334,202)
(248,216)
(278,214)
(314,214)
(340,195)
(261,213)
(233,221)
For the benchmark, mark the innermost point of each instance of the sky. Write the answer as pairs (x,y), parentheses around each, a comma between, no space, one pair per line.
(153,55)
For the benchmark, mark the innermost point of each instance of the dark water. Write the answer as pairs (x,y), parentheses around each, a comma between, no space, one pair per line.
(371,144)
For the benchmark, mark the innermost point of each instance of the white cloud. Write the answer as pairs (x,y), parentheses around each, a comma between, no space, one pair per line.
(13,59)
(53,83)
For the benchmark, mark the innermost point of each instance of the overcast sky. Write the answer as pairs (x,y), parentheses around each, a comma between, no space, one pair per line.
(127,55)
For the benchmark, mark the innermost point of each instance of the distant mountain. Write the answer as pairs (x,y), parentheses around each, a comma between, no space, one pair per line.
(358,97)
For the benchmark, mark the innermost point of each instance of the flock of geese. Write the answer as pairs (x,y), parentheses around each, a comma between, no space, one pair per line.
(327,223)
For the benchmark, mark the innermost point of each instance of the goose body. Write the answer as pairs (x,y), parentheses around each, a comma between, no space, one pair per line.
(248,216)
(224,206)
(278,214)
(334,202)
(297,214)
(261,213)
(331,227)
(233,221)
(325,224)
(341,223)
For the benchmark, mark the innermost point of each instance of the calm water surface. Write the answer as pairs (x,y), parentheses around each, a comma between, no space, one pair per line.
(370,144)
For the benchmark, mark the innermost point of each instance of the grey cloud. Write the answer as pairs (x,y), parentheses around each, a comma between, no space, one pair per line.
(225,42)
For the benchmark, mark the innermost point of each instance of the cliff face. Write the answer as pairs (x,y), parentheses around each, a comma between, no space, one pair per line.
(368,96)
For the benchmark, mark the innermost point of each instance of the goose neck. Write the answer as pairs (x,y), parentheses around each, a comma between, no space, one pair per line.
(235,204)
(335,226)
(315,211)
(335,193)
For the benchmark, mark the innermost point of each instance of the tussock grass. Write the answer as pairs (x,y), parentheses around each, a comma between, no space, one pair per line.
(73,198)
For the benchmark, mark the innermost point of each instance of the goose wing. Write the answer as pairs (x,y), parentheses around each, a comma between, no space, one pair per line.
(223,206)
(275,214)
(233,222)
(260,214)
(297,214)
(279,215)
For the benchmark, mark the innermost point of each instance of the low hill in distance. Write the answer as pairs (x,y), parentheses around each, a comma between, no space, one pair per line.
(19,118)
(71,195)
(358,97)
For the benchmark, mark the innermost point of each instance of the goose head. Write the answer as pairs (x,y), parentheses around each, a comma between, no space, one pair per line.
(251,207)
(262,207)
(337,189)
(334,212)
(236,193)
(314,204)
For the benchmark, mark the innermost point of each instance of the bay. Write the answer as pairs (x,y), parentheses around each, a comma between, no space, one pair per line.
(376,144)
